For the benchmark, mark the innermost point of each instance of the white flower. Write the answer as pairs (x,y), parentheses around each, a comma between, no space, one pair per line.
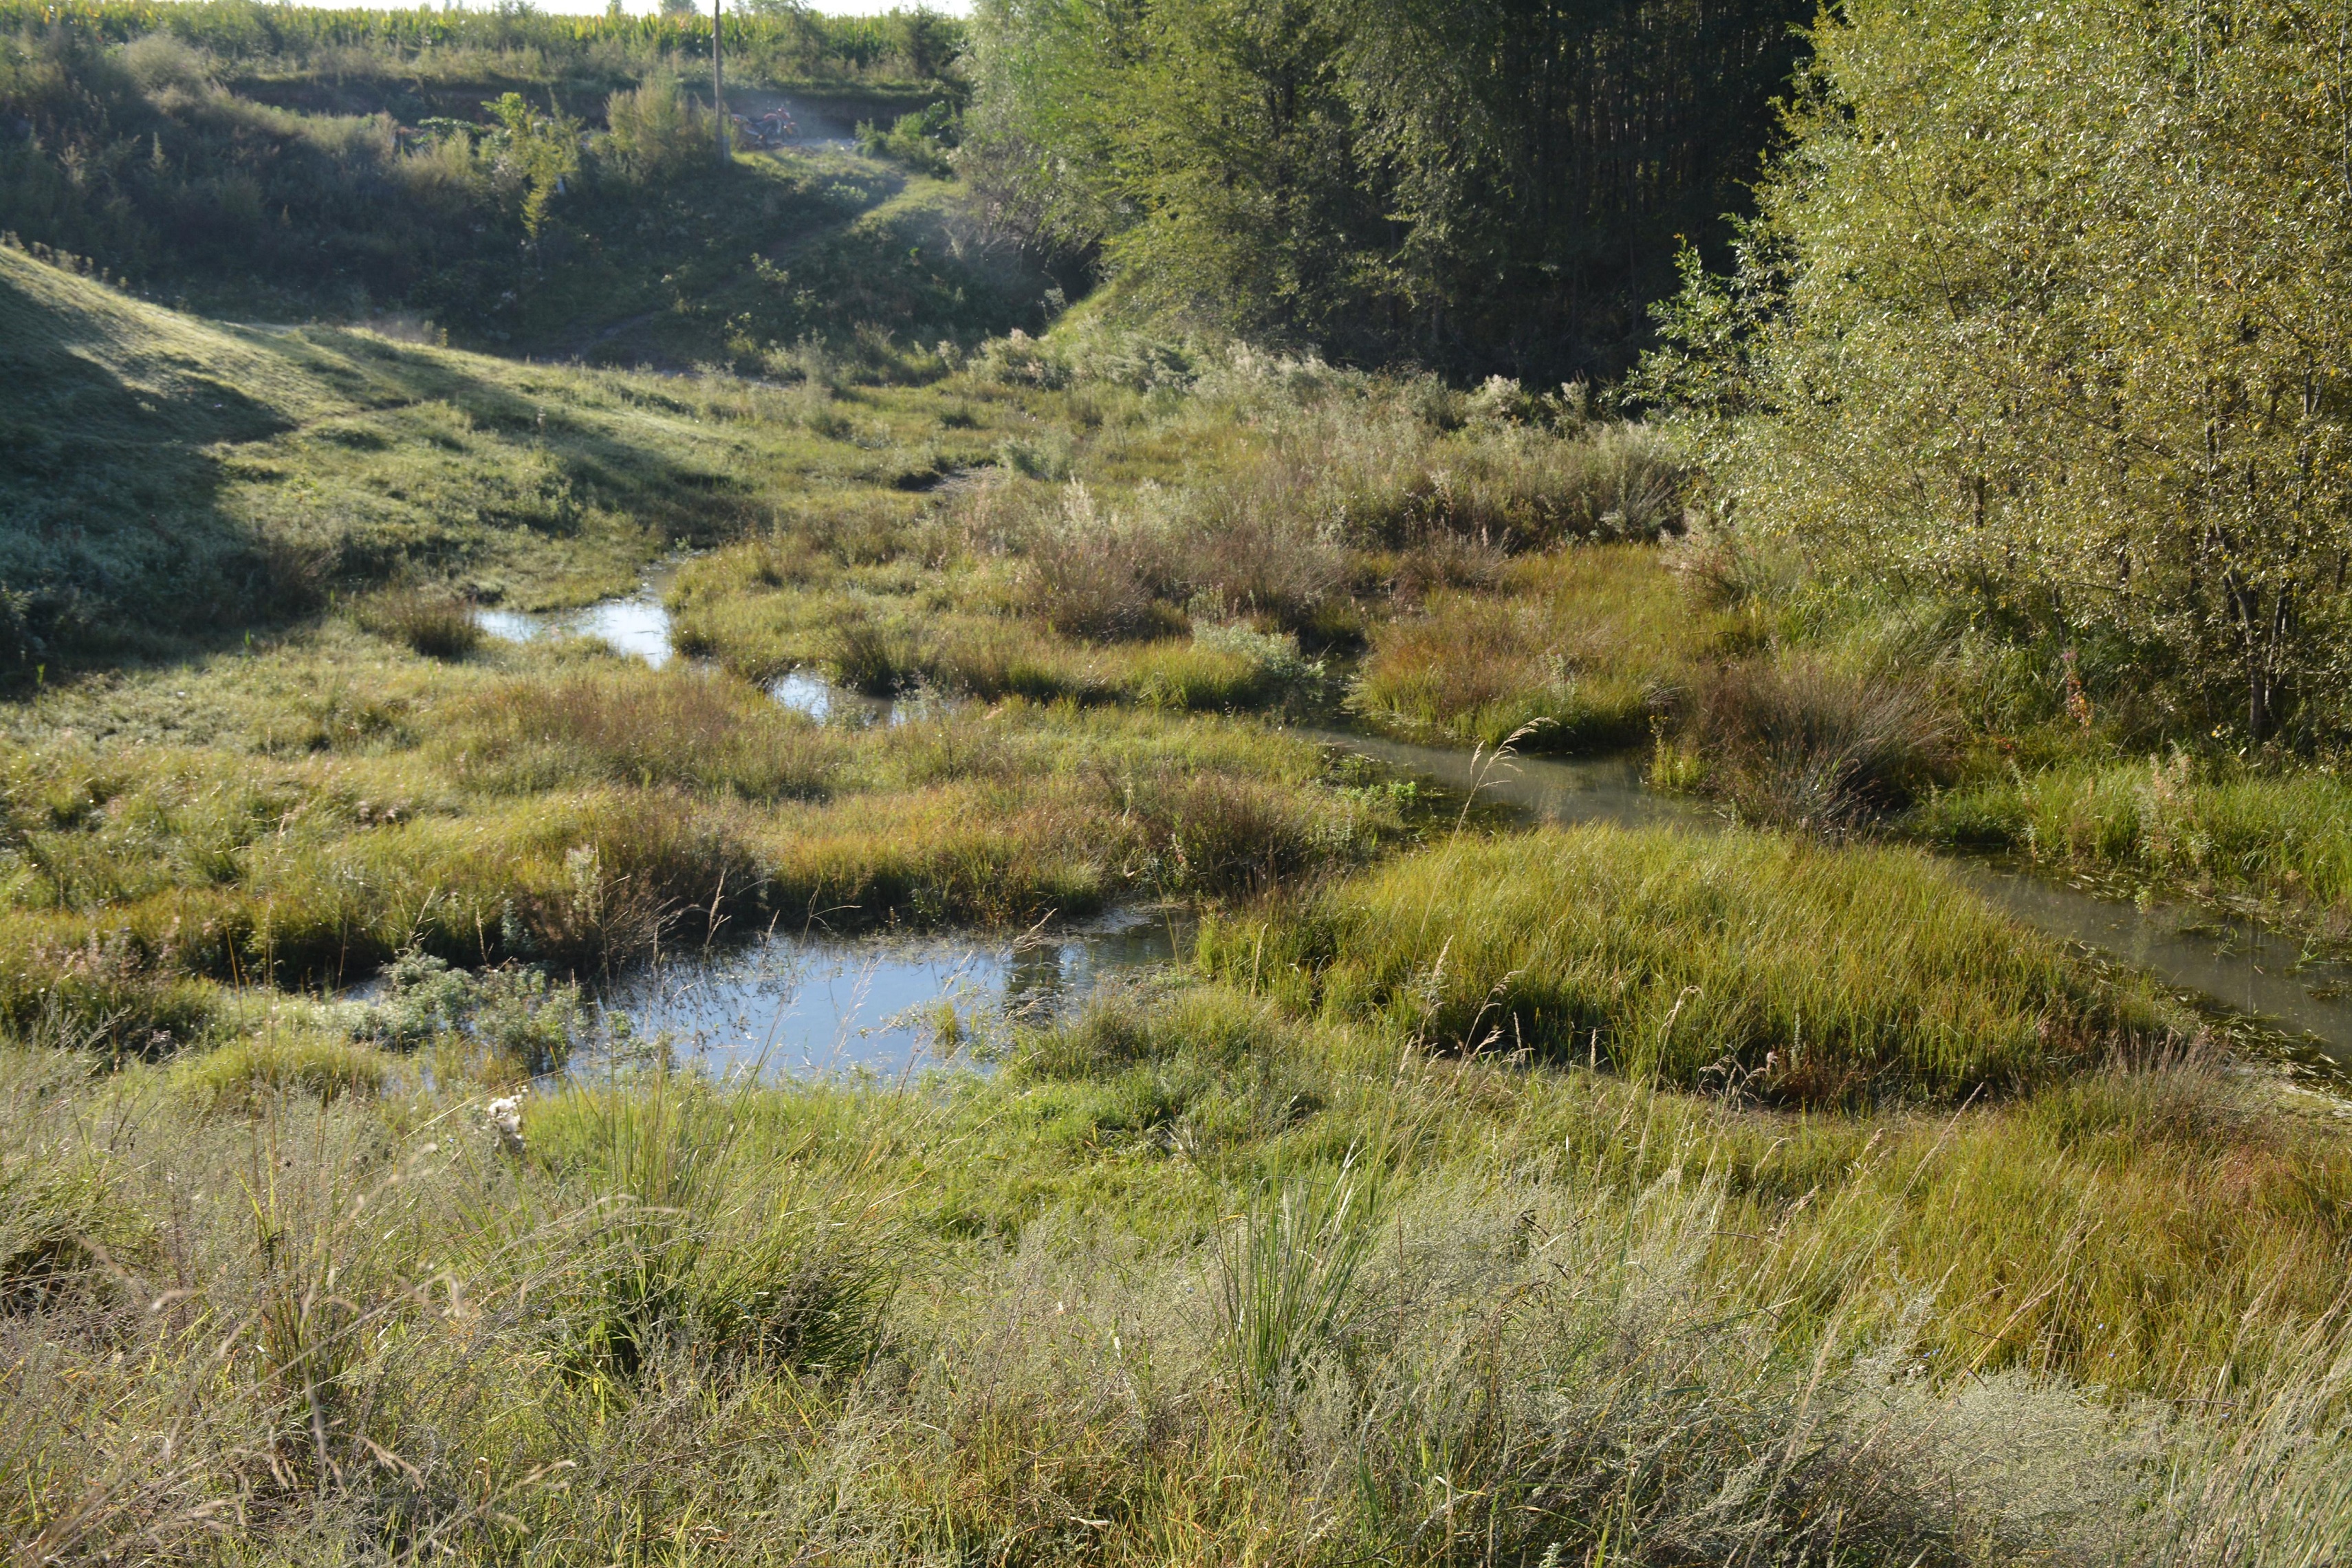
(506,1115)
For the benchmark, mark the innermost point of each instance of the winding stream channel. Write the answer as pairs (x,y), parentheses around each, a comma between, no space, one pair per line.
(2238,967)
(789,1003)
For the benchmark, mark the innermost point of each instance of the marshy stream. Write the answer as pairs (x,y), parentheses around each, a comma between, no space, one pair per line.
(2238,966)
(798,1004)
(638,626)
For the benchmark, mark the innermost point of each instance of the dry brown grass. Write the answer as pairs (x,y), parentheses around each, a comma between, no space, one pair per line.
(1589,643)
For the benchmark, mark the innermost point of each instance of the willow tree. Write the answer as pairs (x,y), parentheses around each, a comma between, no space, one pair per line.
(2052,307)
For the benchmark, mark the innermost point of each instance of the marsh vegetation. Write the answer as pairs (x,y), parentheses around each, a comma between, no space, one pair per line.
(1733,1181)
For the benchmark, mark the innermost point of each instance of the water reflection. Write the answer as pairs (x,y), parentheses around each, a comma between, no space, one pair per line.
(808,691)
(637,625)
(795,1006)
(1544,789)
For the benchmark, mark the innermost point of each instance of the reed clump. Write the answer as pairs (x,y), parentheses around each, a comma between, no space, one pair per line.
(435,624)
(1793,741)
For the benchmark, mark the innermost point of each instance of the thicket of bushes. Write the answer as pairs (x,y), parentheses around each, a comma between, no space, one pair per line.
(2044,313)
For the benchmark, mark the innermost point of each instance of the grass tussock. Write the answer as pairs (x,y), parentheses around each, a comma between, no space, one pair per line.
(1794,742)
(436,624)
(250,1071)
(581,813)
(1310,513)
(1760,965)
(633,726)
(1590,644)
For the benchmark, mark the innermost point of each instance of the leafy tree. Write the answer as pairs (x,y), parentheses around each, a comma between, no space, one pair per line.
(1481,184)
(2053,308)
(538,152)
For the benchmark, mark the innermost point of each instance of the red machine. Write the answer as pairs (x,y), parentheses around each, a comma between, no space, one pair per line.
(772,129)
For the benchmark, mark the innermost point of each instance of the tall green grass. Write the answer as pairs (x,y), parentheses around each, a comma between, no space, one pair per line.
(1592,645)
(2281,841)
(1759,965)
(2098,1324)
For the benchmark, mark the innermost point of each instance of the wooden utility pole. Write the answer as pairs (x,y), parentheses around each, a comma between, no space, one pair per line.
(718,87)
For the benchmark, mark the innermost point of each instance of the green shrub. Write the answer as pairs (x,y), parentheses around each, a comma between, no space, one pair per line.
(655,133)
(1972,202)
(495,1027)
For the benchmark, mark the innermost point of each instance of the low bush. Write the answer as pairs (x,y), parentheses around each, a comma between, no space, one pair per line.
(496,1026)
(1793,741)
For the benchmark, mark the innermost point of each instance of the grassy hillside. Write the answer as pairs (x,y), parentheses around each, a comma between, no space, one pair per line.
(527,196)
(163,478)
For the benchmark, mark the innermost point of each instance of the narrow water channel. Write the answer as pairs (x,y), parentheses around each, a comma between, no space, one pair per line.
(2238,966)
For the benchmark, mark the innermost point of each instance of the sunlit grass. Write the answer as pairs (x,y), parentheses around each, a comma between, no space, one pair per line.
(1753,964)
(1590,644)
(1186,1259)
(2281,841)
(569,807)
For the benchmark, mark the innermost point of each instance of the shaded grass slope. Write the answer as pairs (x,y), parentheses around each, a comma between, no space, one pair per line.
(165,478)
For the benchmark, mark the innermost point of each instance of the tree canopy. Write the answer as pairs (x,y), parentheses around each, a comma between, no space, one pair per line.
(2052,308)
(1481,185)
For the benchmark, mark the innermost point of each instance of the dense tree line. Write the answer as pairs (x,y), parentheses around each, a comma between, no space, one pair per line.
(2050,311)
(1481,185)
